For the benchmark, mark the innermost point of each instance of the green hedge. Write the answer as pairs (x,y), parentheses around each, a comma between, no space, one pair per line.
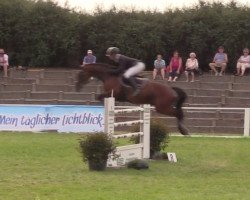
(38,33)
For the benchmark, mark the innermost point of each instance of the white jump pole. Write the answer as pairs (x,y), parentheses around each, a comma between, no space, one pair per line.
(144,123)
(145,128)
(109,119)
(247,122)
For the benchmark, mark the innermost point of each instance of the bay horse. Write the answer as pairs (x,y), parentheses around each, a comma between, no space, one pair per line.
(167,100)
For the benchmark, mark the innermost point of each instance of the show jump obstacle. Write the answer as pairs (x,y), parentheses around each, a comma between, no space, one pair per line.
(129,152)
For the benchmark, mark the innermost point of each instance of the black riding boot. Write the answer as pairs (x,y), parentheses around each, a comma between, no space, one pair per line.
(132,82)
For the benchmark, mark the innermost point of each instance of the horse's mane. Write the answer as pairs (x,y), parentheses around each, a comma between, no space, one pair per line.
(110,69)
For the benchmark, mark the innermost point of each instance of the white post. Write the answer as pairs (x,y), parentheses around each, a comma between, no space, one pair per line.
(145,128)
(109,121)
(144,121)
(247,122)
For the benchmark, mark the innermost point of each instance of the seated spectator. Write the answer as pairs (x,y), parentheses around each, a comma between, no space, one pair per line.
(4,62)
(89,58)
(220,61)
(159,65)
(243,62)
(175,67)
(191,66)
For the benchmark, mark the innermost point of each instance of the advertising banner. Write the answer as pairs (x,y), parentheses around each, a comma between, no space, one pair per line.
(61,118)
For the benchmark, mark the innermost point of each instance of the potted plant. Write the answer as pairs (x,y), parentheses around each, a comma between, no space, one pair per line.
(95,149)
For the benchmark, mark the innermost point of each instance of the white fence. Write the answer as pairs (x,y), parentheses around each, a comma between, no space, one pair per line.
(128,152)
(245,110)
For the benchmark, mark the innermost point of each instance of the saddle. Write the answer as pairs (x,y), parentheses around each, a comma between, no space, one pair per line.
(140,81)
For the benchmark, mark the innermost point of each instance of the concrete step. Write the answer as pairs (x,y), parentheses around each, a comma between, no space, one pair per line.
(56,81)
(21,81)
(12,95)
(204,99)
(214,85)
(240,93)
(216,79)
(58,74)
(242,79)
(79,102)
(48,87)
(11,101)
(28,73)
(241,86)
(209,92)
(43,95)
(79,96)
(243,102)
(15,87)
(202,104)
(183,84)
(90,88)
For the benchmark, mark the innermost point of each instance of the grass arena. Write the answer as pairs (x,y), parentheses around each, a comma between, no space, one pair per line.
(49,166)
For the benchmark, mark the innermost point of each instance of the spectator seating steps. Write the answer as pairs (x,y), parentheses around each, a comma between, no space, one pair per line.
(202,104)
(12,95)
(241,86)
(38,86)
(241,102)
(204,99)
(15,87)
(52,81)
(19,81)
(238,93)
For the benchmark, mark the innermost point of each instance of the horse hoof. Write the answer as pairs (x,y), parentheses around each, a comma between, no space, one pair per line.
(185,132)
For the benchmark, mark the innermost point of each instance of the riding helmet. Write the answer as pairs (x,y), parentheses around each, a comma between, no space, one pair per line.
(112,50)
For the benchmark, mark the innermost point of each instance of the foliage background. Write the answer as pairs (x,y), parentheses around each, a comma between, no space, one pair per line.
(38,33)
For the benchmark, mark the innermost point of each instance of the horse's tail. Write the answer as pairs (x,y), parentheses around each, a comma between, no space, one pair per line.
(182,96)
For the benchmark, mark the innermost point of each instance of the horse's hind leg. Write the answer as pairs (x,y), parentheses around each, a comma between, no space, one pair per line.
(182,96)
(175,112)
(180,116)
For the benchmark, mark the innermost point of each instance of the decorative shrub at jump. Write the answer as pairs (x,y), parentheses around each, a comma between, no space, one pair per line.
(95,149)
(159,137)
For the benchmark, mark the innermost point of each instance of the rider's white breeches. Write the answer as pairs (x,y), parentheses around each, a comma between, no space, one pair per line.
(139,67)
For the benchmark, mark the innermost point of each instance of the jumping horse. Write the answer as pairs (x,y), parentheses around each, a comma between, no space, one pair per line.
(167,100)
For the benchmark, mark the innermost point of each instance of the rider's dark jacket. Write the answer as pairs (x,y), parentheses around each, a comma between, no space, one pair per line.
(125,63)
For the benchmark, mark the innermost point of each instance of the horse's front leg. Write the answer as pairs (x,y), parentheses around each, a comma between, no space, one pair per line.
(101,97)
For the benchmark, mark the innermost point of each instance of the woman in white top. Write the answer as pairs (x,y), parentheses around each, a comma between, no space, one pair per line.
(191,66)
(243,62)
(4,62)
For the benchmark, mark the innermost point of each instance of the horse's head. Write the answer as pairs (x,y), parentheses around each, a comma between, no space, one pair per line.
(98,70)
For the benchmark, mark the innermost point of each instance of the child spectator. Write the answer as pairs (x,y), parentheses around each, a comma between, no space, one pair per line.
(191,66)
(159,65)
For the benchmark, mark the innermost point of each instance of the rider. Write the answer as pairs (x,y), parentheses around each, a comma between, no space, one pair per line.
(128,66)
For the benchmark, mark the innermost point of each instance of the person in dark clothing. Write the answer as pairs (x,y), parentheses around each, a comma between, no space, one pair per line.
(129,67)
